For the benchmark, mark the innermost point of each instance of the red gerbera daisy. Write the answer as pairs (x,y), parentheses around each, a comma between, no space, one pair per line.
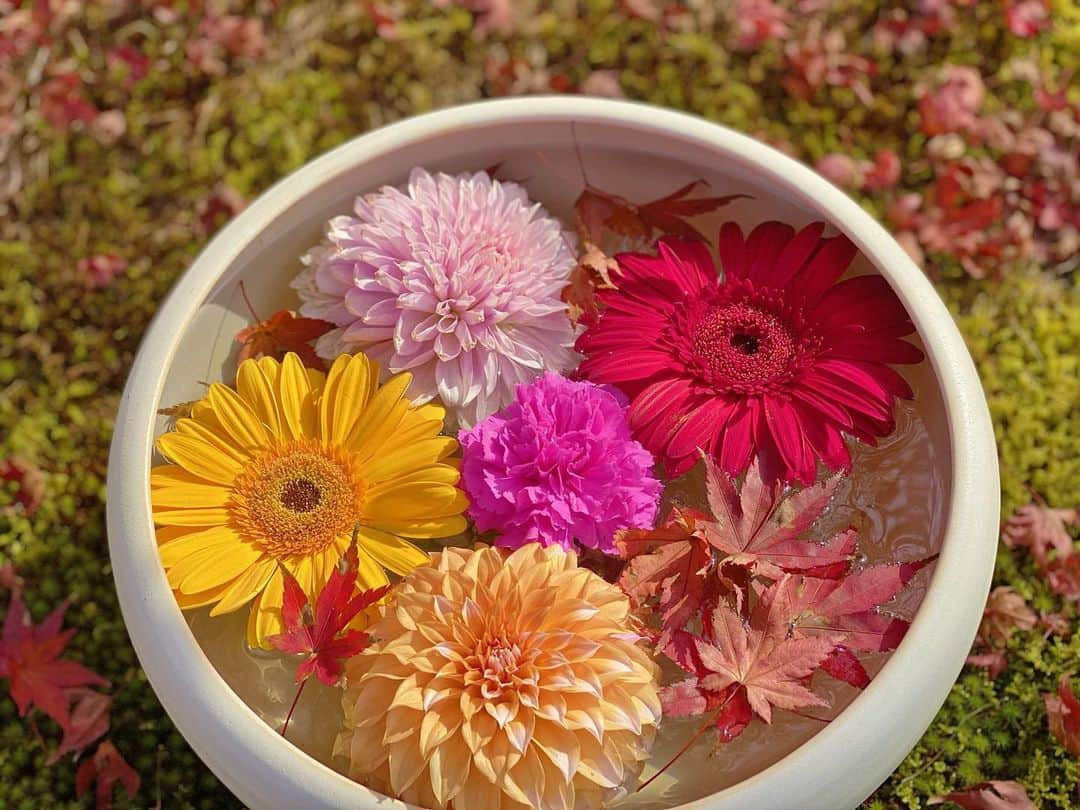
(779,360)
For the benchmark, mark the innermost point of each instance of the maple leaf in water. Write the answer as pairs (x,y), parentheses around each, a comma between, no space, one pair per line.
(758,527)
(321,634)
(106,767)
(597,209)
(753,661)
(280,334)
(1063,716)
(995,795)
(30,660)
(89,719)
(671,563)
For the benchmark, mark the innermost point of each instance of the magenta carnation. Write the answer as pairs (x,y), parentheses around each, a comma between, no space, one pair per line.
(780,360)
(558,465)
(456,279)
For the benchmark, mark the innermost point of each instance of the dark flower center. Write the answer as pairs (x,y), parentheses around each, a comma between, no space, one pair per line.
(743,347)
(300,495)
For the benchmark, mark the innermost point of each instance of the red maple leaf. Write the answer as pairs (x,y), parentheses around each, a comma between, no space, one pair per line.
(997,795)
(30,660)
(280,334)
(89,720)
(321,634)
(671,563)
(758,527)
(106,767)
(757,656)
(597,209)
(849,606)
(1063,716)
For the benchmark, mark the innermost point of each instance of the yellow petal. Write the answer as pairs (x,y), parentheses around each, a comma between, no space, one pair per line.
(265,617)
(245,587)
(166,533)
(369,574)
(415,501)
(426,529)
(197,457)
(296,399)
(381,417)
(345,397)
(172,485)
(257,390)
(409,457)
(220,566)
(188,601)
(400,556)
(449,769)
(237,417)
(216,438)
(301,568)
(216,538)
(196,516)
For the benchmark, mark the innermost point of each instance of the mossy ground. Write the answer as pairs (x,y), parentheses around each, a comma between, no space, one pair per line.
(323,75)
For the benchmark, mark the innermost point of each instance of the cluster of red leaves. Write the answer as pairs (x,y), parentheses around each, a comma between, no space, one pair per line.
(1063,716)
(281,333)
(39,678)
(881,173)
(772,605)
(99,270)
(321,633)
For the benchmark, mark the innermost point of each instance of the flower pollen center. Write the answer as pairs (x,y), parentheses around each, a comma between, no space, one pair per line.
(744,348)
(296,498)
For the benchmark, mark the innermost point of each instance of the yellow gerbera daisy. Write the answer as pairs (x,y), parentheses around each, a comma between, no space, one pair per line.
(278,473)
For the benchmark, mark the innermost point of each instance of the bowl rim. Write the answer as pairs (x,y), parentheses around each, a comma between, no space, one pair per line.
(869,737)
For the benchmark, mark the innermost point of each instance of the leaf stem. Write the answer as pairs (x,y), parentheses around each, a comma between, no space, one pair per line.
(686,746)
(251,309)
(292,708)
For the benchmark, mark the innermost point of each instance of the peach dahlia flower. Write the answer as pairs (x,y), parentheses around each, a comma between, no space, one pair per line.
(501,682)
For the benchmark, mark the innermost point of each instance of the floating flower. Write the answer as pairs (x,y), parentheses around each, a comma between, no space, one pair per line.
(501,682)
(779,360)
(557,465)
(279,472)
(456,279)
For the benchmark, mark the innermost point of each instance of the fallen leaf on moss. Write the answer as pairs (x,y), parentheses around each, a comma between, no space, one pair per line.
(1063,716)
(989,796)
(1004,614)
(29,489)
(106,767)
(1040,529)
(89,719)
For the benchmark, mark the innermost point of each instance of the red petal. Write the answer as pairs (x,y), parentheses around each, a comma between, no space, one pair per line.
(821,272)
(689,263)
(763,245)
(699,429)
(786,429)
(731,249)
(738,441)
(793,256)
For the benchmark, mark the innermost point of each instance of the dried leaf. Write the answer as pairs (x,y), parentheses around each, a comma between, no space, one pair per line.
(280,334)
(181,410)
(321,634)
(994,662)
(989,796)
(30,660)
(597,209)
(1063,716)
(593,271)
(1040,529)
(89,720)
(29,486)
(106,767)
(758,527)
(1004,614)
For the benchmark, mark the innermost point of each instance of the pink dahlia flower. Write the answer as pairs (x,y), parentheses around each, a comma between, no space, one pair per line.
(558,465)
(457,279)
(780,360)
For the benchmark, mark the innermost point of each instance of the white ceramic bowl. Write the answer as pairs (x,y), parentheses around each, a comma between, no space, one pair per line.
(636,150)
